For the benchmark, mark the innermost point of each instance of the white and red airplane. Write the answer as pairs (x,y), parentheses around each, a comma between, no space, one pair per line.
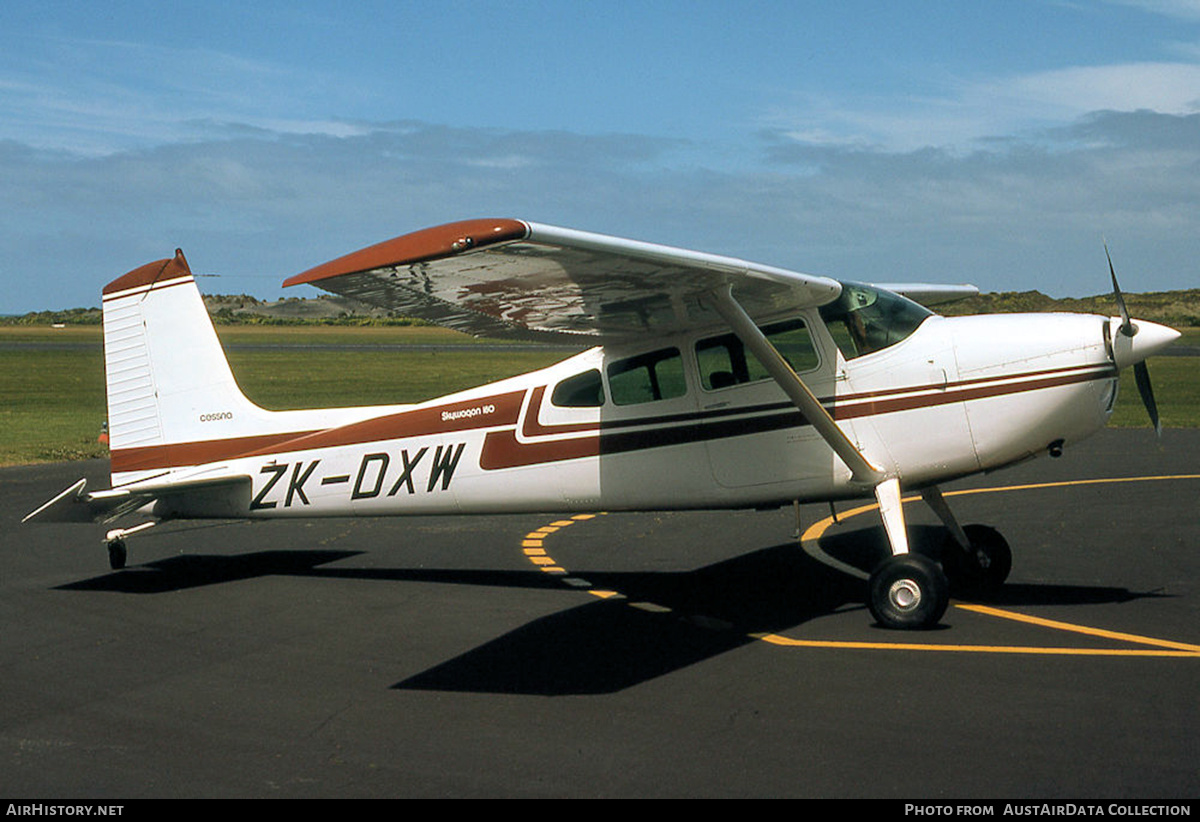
(714,383)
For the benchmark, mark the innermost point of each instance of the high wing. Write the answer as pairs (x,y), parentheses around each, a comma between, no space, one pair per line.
(511,278)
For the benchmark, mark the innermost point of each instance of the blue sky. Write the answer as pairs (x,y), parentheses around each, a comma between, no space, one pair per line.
(992,143)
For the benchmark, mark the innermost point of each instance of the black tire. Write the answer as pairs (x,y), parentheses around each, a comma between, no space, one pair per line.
(984,568)
(116,554)
(908,592)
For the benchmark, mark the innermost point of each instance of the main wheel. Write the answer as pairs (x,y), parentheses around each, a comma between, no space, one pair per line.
(982,569)
(908,591)
(116,554)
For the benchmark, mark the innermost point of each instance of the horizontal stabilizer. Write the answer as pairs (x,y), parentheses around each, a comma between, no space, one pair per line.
(76,505)
(66,507)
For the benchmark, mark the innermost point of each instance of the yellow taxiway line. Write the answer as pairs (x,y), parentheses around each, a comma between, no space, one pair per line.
(533,545)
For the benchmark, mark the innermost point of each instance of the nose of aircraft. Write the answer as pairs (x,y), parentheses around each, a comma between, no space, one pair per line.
(1147,340)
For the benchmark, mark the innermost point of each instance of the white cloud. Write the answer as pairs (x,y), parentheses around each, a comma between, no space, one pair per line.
(258,208)
(101,97)
(1168,88)
(1188,10)
(969,114)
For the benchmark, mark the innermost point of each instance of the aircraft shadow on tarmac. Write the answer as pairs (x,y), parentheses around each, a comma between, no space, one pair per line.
(606,645)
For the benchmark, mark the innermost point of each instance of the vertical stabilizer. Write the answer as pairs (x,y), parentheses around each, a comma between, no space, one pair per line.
(167,378)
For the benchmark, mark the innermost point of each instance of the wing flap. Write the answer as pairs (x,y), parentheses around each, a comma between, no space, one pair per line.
(510,278)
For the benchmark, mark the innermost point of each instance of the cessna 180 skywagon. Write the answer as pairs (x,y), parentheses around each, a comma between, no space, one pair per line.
(714,383)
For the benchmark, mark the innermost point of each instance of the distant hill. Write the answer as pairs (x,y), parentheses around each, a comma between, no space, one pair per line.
(1180,309)
(327,309)
(242,309)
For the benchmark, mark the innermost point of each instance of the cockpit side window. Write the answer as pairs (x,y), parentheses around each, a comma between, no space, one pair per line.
(864,319)
(657,375)
(724,361)
(584,390)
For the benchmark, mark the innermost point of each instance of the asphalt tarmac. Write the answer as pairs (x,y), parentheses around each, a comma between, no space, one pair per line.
(621,655)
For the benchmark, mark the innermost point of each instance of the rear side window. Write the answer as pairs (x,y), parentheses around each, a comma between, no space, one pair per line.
(650,377)
(584,390)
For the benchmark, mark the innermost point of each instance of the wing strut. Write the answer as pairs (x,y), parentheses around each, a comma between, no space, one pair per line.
(887,489)
(753,338)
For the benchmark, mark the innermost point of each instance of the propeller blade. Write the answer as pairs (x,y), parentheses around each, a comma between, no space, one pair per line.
(1140,372)
(1127,327)
(1142,375)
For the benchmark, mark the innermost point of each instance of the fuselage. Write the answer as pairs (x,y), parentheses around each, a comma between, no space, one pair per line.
(687,422)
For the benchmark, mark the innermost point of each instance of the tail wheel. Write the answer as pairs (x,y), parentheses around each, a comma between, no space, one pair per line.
(116,554)
(984,567)
(908,591)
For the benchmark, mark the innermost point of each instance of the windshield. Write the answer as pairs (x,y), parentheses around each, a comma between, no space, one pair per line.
(864,319)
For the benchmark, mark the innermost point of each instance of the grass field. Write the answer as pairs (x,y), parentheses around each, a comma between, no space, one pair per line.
(52,380)
(52,402)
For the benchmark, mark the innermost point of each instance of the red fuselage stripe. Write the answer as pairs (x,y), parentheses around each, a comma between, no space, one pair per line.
(502,449)
(485,412)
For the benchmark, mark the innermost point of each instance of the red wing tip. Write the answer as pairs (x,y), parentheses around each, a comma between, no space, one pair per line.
(419,246)
(150,273)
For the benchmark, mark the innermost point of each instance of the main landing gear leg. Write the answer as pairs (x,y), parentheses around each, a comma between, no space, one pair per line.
(906,590)
(976,558)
